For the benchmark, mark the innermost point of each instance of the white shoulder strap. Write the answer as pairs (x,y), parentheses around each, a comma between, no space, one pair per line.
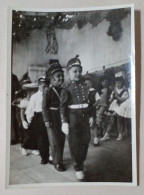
(56,92)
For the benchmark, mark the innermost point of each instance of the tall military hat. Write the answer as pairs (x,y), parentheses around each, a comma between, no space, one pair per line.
(74,62)
(52,68)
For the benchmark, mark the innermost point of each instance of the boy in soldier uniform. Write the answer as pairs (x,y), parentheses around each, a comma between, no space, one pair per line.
(75,113)
(51,114)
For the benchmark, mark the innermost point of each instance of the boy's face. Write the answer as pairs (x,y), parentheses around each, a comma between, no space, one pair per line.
(75,73)
(119,84)
(88,83)
(57,78)
(105,83)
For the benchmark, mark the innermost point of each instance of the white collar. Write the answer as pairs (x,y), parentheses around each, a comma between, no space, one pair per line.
(119,90)
(39,92)
(91,89)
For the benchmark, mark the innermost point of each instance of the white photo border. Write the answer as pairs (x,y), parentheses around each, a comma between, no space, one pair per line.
(133,102)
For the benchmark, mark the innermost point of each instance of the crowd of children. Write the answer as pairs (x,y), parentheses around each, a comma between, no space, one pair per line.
(56,111)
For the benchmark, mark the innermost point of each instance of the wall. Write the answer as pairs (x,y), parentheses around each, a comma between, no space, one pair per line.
(87,42)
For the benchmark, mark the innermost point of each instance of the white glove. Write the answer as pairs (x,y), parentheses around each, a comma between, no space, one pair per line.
(65,128)
(90,121)
(47,124)
(25,124)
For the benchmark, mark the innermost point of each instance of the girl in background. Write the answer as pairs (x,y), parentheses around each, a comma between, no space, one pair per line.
(118,96)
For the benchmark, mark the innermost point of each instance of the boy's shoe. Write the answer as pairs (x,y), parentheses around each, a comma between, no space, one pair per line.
(120,137)
(59,167)
(80,175)
(24,152)
(96,141)
(35,152)
(105,137)
(50,162)
(43,161)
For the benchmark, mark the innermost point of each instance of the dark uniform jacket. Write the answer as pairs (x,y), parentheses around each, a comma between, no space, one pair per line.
(76,93)
(51,99)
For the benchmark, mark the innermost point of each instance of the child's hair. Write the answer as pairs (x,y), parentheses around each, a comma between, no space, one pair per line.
(121,80)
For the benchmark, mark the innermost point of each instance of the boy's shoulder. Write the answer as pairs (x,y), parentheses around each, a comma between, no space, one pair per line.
(47,90)
(66,85)
(33,95)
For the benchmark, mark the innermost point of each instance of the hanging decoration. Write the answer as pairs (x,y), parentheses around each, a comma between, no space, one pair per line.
(25,22)
(115,17)
(52,44)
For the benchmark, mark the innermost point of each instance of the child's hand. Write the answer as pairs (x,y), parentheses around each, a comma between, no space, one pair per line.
(90,121)
(65,128)
(25,124)
(47,124)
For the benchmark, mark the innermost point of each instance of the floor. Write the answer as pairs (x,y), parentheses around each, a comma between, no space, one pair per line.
(111,161)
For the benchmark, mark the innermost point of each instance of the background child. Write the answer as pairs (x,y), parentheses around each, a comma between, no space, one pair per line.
(51,114)
(34,115)
(15,138)
(75,115)
(105,92)
(27,140)
(94,99)
(118,96)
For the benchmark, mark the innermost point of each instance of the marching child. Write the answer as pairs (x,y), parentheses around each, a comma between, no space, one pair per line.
(34,115)
(51,114)
(75,115)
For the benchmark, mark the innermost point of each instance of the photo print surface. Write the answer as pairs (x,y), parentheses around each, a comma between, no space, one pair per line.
(72,91)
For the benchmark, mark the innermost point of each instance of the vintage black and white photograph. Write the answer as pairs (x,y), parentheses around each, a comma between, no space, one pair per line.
(72,97)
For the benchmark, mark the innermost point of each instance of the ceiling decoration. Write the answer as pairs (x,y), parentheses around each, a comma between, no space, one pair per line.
(23,23)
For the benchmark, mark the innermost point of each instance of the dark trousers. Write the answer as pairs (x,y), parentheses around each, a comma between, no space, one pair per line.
(56,137)
(41,137)
(28,137)
(14,125)
(79,137)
